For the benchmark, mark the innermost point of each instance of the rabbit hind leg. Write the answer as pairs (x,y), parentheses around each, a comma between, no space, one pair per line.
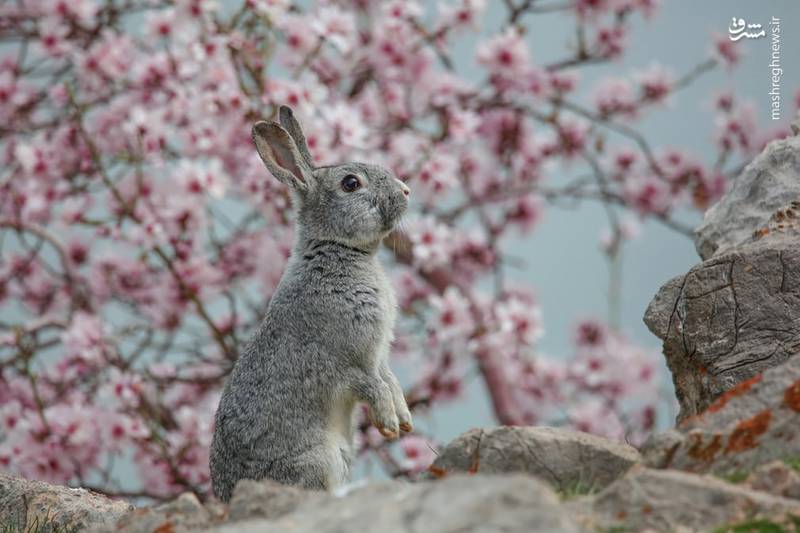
(323,467)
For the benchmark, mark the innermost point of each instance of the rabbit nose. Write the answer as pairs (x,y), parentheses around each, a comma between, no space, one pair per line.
(404,188)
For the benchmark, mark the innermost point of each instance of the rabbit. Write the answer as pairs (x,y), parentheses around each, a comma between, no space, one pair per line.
(287,408)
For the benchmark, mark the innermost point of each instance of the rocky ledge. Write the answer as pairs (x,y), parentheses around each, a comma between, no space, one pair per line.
(511,479)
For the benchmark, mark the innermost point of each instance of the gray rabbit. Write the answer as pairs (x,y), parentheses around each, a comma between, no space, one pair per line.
(286,411)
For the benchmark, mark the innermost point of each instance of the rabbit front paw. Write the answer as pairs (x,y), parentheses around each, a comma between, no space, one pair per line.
(398,399)
(377,394)
(405,420)
(386,421)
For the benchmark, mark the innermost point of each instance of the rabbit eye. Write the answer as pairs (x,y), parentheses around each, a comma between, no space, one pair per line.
(350,183)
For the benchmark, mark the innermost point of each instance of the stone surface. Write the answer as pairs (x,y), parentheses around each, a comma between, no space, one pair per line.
(266,499)
(771,182)
(662,500)
(755,423)
(564,458)
(776,478)
(485,503)
(728,319)
(25,504)
(183,514)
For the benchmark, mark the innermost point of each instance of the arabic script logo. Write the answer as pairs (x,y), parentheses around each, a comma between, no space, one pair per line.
(737,30)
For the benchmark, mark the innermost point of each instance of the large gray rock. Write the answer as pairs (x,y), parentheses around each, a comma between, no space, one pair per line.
(728,319)
(738,312)
(663,500)
(754,423)
(511,503)
(564,458)
(771,182)
(26,504)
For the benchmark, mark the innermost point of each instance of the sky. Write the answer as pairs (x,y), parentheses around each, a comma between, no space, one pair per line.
(563,261)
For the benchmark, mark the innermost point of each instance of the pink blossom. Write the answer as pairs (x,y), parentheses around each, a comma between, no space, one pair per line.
(453,316)
(472,256)
(410,289)
(648,195)
(609,41)
(562,83)
(520,317)
(726,50)
(52,36)
(436,176)
(84,339)
(207,177)
(274,9)
(616,96)
(13,417)
(593,8)
(736,129)
(432,241)
(418,453)
(592,416)
(655,83)
(463,124)
(461,13)
(606,362)
(336,26)
(442,380)
(623,161)
(400,9)
(591,333)
(505,54)
(571,137)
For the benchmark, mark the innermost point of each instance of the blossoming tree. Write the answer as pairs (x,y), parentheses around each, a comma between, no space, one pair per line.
(142,238)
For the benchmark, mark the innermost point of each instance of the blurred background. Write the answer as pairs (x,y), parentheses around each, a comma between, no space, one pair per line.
(563,257)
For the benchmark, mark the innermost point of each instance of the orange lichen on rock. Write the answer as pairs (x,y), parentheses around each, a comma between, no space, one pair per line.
(745,435)
(759,233)
(476,464)
(166,527)
(703,452)
(736,390)
(791,398)
(437,472)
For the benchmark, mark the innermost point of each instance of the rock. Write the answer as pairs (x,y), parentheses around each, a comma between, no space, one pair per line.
(25,504)
(768,184)
(664,500)
(564,458)
(728,319)
(754,423)
(777,478)
(510,503)
(183,514)
(266,499)
(734,315)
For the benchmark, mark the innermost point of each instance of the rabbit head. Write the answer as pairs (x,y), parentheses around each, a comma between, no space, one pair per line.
(355,204)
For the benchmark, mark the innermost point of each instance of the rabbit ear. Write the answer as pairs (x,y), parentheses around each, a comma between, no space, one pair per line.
(281,156)
(290,124)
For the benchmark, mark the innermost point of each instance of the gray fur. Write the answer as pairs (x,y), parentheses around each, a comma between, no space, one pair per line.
(286,411)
